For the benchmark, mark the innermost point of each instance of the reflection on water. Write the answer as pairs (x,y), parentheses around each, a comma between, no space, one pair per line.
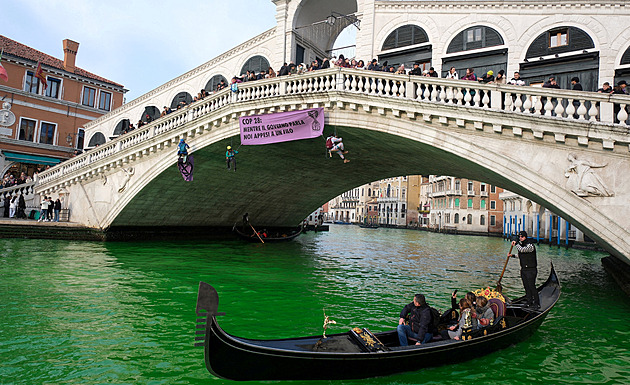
(84,312)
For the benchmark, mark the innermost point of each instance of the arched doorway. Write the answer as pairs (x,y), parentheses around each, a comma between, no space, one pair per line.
(562,52)
(121,128)
(416,41)
(255,64)
(316,26)
(150,114)
(481,39)
(212,84)
(181,99)
(624,72)
(96,140)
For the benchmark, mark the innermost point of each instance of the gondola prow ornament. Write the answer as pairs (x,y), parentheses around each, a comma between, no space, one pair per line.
(327,321)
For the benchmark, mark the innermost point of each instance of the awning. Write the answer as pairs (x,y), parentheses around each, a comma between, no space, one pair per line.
(29,158)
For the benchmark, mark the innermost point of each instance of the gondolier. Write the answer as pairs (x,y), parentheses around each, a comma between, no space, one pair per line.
(529,270)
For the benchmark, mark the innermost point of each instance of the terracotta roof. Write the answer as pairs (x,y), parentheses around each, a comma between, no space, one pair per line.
(12,47)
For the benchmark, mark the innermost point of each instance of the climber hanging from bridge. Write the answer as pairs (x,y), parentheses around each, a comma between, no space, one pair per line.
(335,144)
(230,157)
(182,151)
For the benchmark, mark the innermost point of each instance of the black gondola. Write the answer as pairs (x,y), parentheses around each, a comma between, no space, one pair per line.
(251,237)
(368,225)
(357,353)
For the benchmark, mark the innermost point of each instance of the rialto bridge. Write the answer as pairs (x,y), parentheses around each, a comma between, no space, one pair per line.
(566,150)
(543,144)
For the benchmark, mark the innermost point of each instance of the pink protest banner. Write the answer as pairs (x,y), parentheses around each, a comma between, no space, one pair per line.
(281,126)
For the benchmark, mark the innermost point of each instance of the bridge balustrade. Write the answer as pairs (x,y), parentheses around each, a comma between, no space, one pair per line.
(575,106)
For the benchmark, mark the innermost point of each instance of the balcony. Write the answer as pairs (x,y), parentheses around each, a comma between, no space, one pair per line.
(454,192)
(484,193)
(470,192)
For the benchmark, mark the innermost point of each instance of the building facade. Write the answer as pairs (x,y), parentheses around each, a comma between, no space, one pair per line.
(522,214)
(44,113)
(464,205)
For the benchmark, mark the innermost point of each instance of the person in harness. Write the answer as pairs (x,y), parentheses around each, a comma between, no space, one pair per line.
(335,144)
(230,157)
(182,151)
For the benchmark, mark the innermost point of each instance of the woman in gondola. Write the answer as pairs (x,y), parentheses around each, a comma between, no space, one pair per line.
(465,321)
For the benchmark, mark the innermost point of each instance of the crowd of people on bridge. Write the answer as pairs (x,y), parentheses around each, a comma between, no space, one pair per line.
(489,76)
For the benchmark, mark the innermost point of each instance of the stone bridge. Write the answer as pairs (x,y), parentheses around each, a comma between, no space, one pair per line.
(563,149)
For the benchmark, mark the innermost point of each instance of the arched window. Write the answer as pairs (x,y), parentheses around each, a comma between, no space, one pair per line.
(121,127)
(150,114)
(257,64)
(474,38)
(559,40)
(404,36)
(482,220)
(96,139)
(456,218)
(470,219)
(181,97)
(625,59)
(212,84)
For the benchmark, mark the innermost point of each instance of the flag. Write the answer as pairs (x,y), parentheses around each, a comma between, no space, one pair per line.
(3,72)
(39,73)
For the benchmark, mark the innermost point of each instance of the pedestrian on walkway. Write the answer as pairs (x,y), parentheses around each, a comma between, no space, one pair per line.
(57,208)
(13,206)
(44,208)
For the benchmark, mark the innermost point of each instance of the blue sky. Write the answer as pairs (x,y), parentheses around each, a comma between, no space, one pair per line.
(140,44)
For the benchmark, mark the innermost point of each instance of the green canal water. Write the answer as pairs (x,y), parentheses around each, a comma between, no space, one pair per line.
(124,313)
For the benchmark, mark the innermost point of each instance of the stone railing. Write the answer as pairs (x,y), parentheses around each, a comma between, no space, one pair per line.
(609,111)
(26,189)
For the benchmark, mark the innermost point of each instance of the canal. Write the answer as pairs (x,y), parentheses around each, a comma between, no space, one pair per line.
(124,313)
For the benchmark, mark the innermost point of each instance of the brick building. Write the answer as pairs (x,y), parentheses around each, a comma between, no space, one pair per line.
(41,126)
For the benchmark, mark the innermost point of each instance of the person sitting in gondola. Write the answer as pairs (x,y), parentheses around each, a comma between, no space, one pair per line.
(451,316)
(415,322)
(483,313)
(182,151)
(466,321)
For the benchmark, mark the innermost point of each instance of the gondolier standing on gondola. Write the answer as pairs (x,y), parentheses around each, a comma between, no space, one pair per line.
(529,270)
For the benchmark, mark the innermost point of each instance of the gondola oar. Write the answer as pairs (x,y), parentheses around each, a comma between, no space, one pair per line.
(258,235)
(499,287)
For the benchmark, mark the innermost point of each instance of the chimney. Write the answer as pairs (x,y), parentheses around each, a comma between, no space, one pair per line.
(70,49)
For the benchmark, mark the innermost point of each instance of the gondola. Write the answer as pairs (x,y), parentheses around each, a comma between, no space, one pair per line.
(357,353)
(368,225)
(253,238)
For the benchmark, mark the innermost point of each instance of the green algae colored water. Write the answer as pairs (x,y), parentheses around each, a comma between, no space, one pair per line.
(124,313)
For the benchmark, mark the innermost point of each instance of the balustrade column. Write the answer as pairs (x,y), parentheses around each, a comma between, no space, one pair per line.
(495,100)
(606,112)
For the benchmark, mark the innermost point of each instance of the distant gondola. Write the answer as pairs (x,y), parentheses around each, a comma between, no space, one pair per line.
(251,237)
(368,225)
(356,353)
